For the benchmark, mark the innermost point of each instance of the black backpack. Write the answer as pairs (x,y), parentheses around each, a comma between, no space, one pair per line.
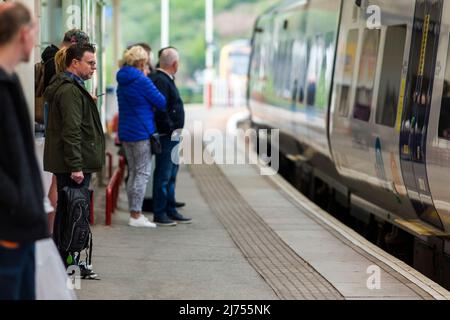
(74,232)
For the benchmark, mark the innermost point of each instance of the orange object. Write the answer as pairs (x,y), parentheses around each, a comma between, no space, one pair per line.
(9,245)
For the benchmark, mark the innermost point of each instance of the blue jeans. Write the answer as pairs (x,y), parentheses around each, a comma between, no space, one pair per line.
(17,273)
(164,179)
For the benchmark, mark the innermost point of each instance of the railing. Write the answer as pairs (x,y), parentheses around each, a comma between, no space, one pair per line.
(228,93)
(112,190)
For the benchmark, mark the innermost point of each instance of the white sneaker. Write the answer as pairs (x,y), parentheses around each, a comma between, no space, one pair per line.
(142,222)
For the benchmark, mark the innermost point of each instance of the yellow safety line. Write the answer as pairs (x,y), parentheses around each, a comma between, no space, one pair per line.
(401,100)
(426,28)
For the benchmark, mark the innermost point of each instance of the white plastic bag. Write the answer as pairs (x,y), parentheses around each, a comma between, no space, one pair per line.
(52,282)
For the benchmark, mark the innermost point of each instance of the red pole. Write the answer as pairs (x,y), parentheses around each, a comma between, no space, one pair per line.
(115,195)
(108,206)
(112,191)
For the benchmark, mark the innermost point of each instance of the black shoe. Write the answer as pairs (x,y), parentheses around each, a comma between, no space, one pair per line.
(179,218)
(164,222)
(87,273)
(147,206)
(179,204)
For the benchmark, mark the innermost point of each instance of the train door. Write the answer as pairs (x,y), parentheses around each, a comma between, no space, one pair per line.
(396,30)
(343,86)
(438,140)
(416,112)
(356,84)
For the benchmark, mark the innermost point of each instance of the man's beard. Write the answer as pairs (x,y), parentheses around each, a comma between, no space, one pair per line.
(87,77)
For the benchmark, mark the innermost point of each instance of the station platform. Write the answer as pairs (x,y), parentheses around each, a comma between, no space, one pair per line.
(253,237)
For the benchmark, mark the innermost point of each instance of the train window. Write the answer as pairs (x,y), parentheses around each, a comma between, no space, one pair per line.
(444,118)
(257,67)
(260,63)
(327,70)
(282,71)
(391,73)
(240,65)
(366,75)
(343,89)
(314,66)
(319,70)
(279,70)
(286,84)
(299,64)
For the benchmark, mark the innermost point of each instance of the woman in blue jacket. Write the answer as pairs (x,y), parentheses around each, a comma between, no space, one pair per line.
(137,96)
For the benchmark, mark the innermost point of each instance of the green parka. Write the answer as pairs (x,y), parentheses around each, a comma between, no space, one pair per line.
(74,136)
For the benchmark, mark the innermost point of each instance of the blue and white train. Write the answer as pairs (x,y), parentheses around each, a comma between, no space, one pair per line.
(360,92)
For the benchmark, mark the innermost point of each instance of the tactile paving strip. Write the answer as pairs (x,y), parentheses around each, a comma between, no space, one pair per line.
(288,275)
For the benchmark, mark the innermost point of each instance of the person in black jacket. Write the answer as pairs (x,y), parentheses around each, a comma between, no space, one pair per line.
(148,202)
(48,56)
(164,204)
(22,215)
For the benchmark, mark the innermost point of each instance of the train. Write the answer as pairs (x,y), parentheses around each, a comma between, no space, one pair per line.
(233,66)
(359,90)
(234,59)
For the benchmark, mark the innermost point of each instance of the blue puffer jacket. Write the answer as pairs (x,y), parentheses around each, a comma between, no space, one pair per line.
(137,96)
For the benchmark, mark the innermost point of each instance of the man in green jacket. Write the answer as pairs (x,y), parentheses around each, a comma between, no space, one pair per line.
(75,143)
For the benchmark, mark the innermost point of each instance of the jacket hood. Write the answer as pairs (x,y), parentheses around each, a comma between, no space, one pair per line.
(57,82)
(128,75)
(49,53)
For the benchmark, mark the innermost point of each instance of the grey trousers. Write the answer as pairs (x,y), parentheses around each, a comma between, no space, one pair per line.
(140,169)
